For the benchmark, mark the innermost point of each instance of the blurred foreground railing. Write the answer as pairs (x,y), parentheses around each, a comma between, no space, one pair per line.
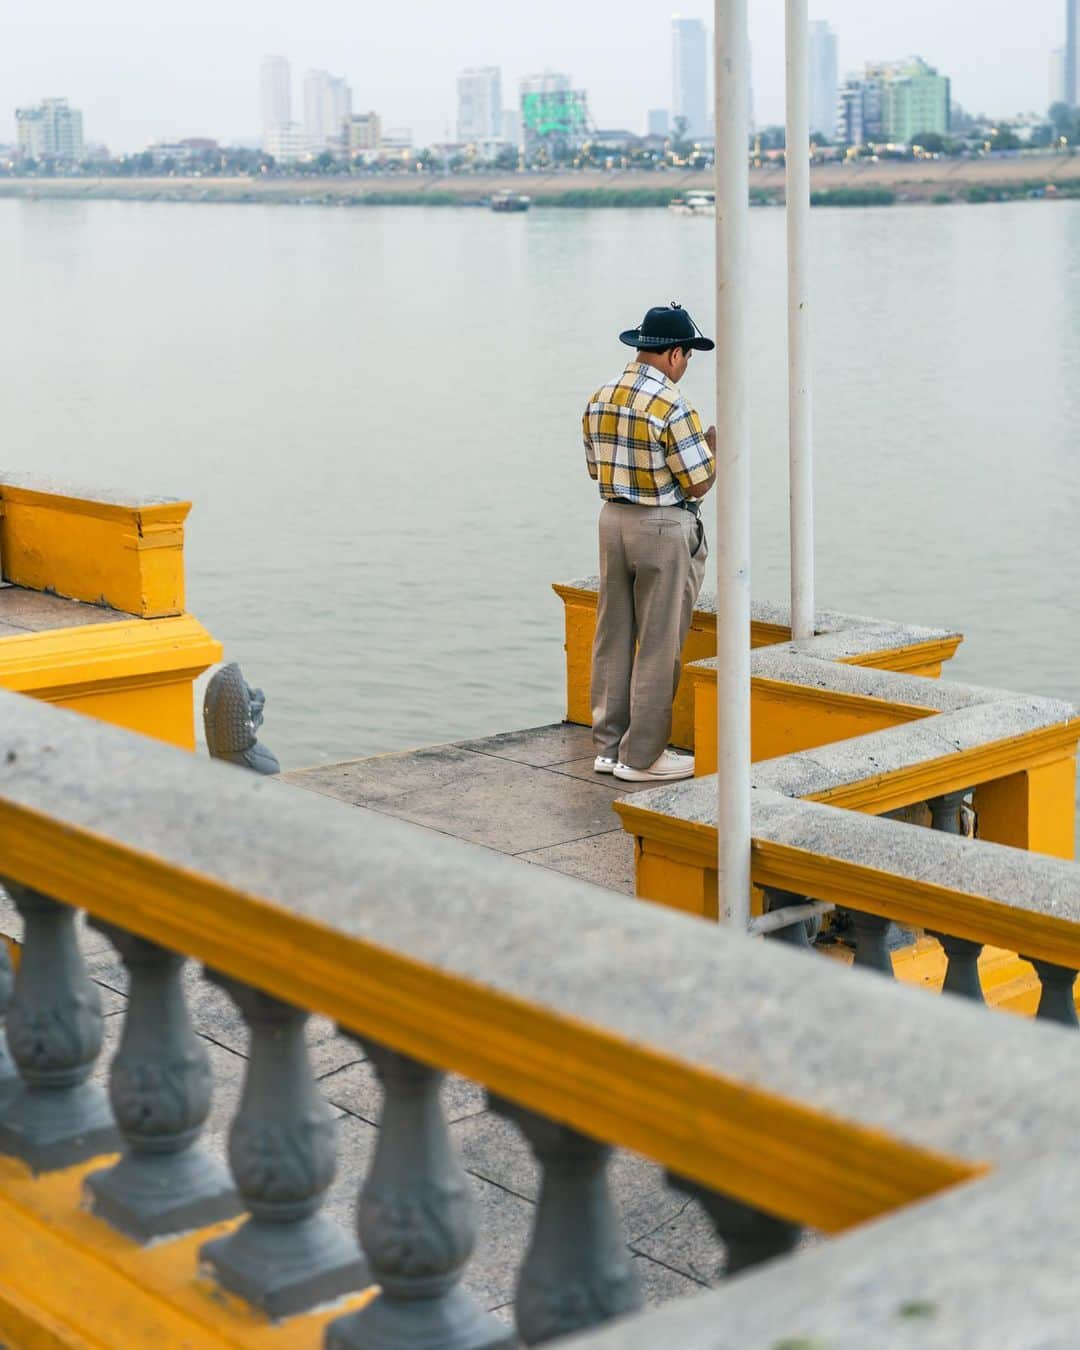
(783,1093)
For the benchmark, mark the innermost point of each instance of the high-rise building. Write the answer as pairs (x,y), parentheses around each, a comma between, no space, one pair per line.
(286,142)
(1072,53)
(553,115)
(363,134)
(688,75)
(915,99)
(327,107)
(823,79)
(51,130)
(848,123)
(479,93)
(657,122)
(894,101)
(275,88)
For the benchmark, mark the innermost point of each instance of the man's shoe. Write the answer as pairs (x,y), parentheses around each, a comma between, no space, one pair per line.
(668,767)
(601,764)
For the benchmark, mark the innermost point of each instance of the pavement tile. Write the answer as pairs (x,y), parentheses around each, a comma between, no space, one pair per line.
(659,1284)
(538,746)
(605,859)
(583,768)
(384,778)
(34,611)
(503,1225)
(685,1242)
(356,1090)
(510,807)
(355,1150)
(494,1149)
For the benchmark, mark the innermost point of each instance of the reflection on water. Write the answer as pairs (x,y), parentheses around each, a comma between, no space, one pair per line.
(376,413)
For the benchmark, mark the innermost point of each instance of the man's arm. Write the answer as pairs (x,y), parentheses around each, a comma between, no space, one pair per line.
(590,454)
(690,452)
(702,488)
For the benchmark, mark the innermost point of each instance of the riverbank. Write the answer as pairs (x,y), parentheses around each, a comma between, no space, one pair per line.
(859,183)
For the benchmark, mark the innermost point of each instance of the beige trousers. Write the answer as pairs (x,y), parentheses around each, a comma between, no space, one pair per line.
(650,577)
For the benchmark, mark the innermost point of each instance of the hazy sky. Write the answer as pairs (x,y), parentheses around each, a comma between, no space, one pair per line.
(141,70)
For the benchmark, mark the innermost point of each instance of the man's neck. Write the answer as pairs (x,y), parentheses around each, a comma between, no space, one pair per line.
(653,360)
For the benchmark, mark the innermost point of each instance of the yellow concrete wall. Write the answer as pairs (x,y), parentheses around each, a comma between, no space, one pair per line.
(137,672)
(130,558)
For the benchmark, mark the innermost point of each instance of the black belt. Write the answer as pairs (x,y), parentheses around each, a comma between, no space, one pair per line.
(692,507)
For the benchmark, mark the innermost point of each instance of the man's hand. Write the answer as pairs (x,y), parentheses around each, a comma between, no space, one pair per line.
(710,440)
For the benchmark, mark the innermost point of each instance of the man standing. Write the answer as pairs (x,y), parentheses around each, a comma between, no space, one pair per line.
(645,448)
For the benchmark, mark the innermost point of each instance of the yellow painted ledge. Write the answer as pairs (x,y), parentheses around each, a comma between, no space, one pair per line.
(69,1281)
(129,557)
(135,673)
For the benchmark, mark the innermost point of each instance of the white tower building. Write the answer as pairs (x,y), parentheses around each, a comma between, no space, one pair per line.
(823,79)
(327,107)
(275,87)
(479,116)
(688,74)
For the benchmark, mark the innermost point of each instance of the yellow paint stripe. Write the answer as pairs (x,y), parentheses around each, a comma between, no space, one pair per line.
(817,1170)
(68,1280)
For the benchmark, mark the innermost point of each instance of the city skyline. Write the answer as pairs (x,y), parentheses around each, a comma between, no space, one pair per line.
(162,91)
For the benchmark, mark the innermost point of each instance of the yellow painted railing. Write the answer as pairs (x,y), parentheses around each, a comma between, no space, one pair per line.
(629,1023)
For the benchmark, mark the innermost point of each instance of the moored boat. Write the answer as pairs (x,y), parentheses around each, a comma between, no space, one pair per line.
(510,201)
(694,204)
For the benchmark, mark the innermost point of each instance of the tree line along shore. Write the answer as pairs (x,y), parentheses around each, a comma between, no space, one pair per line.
(884,183)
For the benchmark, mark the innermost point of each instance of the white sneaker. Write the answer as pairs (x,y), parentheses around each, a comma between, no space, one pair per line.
(663,770)
(601,764)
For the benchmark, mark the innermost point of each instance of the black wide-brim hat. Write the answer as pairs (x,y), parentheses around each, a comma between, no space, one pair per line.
(667,326)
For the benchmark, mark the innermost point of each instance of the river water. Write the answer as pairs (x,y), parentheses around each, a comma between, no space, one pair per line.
(376,414)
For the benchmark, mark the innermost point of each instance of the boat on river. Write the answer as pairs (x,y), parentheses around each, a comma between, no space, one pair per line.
(510,201)
(694,204)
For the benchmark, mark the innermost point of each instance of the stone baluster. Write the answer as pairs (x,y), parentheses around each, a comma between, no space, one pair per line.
(286,1257)
(577,1272)
(417,1226)
(55,1117)
(795,934)
(750,1236)
(9,1077)
(962,970)
(160,1087)
(871,945)
(1056,1002)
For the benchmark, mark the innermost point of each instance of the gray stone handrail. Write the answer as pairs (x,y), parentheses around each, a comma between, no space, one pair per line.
(161,843)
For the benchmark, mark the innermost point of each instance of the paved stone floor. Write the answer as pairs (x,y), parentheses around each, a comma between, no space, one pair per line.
(531,794)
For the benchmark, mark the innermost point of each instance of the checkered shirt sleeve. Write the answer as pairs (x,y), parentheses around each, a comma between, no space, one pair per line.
(686,451)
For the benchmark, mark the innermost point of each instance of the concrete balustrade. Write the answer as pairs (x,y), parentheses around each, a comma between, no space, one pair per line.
(599,1022)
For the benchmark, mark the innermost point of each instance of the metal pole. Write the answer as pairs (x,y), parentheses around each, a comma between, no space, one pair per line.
(732,85)
(800,429)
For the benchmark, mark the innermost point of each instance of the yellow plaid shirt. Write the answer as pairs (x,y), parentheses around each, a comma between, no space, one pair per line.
(643,441)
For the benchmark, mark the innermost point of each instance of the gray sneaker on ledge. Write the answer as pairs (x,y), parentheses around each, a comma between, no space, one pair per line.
(601,764)
(664,770)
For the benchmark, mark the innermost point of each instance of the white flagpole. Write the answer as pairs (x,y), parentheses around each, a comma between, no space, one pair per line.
(732,86)
(800,427)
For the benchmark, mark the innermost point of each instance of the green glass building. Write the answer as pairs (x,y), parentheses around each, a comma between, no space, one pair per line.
(915,99)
